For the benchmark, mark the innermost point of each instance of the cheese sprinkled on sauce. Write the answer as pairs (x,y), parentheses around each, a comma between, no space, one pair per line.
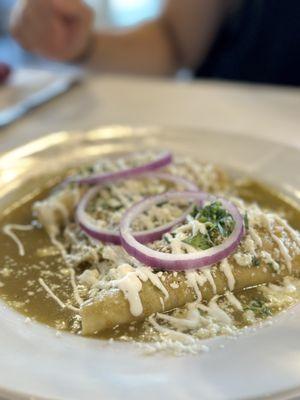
(283,250)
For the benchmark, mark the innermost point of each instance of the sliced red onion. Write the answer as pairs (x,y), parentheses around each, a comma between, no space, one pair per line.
(90,227)
(164,158)
(179,262)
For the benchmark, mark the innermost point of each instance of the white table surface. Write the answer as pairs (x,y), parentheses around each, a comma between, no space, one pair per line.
(266,111)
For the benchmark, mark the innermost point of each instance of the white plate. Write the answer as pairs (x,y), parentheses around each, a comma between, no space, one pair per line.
(261,362)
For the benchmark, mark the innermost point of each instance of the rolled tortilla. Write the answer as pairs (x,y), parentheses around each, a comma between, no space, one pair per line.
(55,212)
(112,308)
(58,209)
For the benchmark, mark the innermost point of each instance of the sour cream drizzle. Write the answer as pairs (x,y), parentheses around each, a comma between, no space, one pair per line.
(181,323)
(294,235)
(255,237)
(131,285)
(283,250)
(145,273)
(130,281)
(216,312)
(175,335)
(8,230)
(194,280)
(209,277)
(226,268)
(234,301)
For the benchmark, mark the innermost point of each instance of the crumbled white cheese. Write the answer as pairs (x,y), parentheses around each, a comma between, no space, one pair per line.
(244,260)
(255,237)
(174,285)
(267,220)
(89,277)
(195,280)
(269,260)
(249,245)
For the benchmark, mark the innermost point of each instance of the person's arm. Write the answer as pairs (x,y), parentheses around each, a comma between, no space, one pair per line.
(180,37)
(61,29)
(146,49)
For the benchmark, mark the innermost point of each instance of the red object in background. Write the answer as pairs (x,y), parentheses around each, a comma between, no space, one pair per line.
(5,71)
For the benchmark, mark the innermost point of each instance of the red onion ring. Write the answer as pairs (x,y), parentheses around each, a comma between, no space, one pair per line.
(89,226)
(165,158)
(179,262)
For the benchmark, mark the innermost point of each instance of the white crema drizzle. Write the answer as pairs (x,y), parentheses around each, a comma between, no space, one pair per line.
(282,248)
(8,230)
(226,268)
(130,281)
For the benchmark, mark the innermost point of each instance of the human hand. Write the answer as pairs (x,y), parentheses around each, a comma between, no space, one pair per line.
(56,29)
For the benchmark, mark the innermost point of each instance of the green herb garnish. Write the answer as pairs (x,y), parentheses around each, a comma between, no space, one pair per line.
(199,241)
(166,239)
(161,204)
(218,222)
(246,221)
(275,267)
(255,261)
(259,307)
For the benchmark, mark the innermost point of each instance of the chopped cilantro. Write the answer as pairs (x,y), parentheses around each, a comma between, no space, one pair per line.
(86,170)
(116,207)
(166,239)
(161,204)
(274,266)
(218,222)
(246,221)
(199,241)
(195,212)
(255,261)
(90,168)
(259,307)
(72,185)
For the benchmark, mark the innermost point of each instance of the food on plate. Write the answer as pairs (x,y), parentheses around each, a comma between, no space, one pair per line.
(153,248)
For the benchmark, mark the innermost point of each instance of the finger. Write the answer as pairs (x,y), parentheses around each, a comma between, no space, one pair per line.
(18,19)
(29,23)
(69,37)
(15,17)
(69,8)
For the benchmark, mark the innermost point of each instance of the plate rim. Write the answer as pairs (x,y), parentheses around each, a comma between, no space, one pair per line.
(15,394)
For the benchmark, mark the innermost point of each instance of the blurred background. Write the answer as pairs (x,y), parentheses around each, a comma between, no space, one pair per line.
(114,13)
(248,41)
(257,44)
